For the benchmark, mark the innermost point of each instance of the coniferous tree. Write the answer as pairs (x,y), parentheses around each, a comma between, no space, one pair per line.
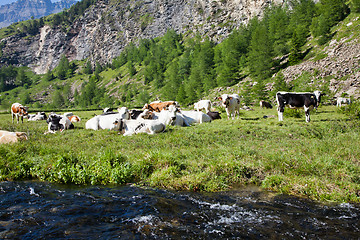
(260,52)
(63,68)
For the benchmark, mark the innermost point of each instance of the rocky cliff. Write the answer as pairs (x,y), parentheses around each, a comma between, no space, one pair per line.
(22,10)
(109,25)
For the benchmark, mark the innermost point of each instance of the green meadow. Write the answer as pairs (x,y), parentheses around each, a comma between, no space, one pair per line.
(318,160)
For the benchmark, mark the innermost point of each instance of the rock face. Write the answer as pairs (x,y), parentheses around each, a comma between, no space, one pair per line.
(109,25)
(22,10)
(340,66)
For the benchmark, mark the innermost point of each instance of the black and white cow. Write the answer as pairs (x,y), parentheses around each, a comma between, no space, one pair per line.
(296,100)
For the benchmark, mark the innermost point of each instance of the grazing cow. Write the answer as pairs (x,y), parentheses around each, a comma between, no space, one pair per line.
(231,103)
(158,106)
(12,137)
(58,123)
(106,121)
(19,111)
(203,104)
(37,117)
(214,115)
(296,100)
(342,100)
(264,104)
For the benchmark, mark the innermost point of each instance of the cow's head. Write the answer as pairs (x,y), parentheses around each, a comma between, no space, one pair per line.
(119,125)
(225,100)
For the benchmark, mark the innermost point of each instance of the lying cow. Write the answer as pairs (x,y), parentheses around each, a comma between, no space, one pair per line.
(58,123)
(106,121)
(12,137)
(158,106)
(74,118)
(203,104)
(140,125)
(231,102)
(37,117)
(171,116)
(264,104)
(214,115)
(342,100)
(192,117)
(144,114)
(18,111)
(296,100)
(130,127)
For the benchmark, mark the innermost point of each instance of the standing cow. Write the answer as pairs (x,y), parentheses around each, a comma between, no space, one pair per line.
(231,102)
(342,100)
(19,111)
(203,104)
(296,100)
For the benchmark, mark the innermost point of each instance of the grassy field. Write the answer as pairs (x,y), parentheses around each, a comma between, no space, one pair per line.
(319,160)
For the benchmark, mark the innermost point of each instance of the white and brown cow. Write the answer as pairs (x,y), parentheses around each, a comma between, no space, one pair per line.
(158,106)
(297,100)
(12,137)
(18,111)
(231,102)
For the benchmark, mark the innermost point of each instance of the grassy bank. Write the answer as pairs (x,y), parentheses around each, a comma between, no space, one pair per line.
(319,159)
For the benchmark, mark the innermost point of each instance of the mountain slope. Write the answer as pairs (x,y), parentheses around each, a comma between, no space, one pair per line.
(108,26)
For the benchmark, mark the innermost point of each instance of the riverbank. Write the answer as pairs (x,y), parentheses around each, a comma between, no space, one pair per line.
(319,160)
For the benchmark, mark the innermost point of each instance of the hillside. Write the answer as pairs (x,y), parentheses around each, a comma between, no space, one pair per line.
(22,10)
(102,59)
(107,26)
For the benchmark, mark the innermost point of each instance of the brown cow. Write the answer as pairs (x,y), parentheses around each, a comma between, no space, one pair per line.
(158,106)
(12,137)
(18,110)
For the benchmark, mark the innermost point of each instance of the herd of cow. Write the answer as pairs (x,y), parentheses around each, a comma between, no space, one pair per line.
(155,116)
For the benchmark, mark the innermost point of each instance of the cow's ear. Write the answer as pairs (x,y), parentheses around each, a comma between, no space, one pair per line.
(231,97)
(220,98)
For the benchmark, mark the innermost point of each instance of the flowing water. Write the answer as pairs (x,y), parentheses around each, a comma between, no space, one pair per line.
(37,210)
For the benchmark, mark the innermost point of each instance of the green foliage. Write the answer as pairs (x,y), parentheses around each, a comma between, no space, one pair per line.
(354,6)
(260,51)
(330,12)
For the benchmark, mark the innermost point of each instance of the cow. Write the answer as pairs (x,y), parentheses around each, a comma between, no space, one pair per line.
(58,122)
(296,100)
(140,125)
(214,115)
(264,104)
(231,102)
(18,111)
(12,137)
(158,106)
(342,100)
(130,127)
(37,117)
(106,121)
(74,118)
(203,104)
(192,117)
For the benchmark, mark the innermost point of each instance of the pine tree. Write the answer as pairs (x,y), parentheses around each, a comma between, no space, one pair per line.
(261,53)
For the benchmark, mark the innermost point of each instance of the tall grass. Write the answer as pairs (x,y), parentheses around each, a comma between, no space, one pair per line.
(319,159)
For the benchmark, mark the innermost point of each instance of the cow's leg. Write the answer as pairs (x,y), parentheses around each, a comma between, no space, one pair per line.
(227,113)
(280,113)
(307,113)
(12,117)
